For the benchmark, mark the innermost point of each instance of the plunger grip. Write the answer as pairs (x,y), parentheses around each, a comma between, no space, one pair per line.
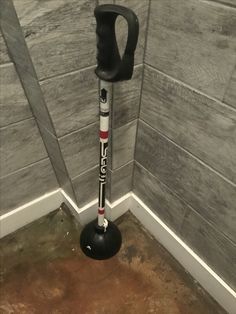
(110,66)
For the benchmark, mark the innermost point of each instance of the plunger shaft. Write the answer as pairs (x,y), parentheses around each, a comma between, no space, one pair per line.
(105,97)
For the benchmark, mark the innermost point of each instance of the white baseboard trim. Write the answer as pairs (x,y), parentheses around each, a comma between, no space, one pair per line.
(23,215)
(119,207)
(208,279)
(88,212)
(43,205)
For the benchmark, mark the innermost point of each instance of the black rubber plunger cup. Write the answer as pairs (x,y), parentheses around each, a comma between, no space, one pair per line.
(99,244)
(101,239)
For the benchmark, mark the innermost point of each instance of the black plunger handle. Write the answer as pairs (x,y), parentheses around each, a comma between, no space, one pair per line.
(110,66)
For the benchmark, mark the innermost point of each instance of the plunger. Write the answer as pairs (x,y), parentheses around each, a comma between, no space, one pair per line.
(101,238)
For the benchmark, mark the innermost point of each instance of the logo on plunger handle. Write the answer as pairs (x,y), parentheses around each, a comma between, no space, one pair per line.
(103,95)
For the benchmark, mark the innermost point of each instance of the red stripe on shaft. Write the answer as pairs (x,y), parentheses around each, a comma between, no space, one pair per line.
(101,211)
(103,134)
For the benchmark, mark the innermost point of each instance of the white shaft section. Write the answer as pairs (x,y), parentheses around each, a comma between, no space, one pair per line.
(105,98)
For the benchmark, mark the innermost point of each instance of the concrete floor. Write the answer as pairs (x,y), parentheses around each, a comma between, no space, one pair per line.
(43,271)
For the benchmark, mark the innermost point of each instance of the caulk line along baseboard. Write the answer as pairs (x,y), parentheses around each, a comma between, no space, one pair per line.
(43,205)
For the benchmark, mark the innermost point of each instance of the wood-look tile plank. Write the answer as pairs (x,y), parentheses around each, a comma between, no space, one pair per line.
(119,181)
(26,184)
(80,149)
(207,192)
(60,34)
(230,94)
(21,145)
(225,2)
(205,127)
(194,41)
(65,182)
(159,198)
(140,8)
(11,29)
(126,99)
(86,186)
(72,100)
(123,143)
(212,246)
(4,57)
(53,148)
(13,102)
(58,163)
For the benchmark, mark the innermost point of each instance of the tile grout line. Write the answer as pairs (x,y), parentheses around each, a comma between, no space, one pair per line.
(147,30)
(122,166)
(135,123)
(190,154)
(55,168)
(97,165)
(228,83)
(29,62)
(9,7)
(64,74)
(189,87)
(84,172)
(25,167)
(220,3)
(178,230)
(78,130)
(188,205)
(142,82)
(17,122)
(129,122)
(61,75)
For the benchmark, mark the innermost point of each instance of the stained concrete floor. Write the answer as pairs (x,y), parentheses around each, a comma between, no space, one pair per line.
(43,271)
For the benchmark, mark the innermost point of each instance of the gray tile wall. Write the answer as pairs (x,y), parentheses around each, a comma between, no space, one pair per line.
(194,42)
(126,101)
(25,169)
(22,143)
(72,100)
(230,93)
(4,57)
(59,34)
(120,181)
(86,185)
(141,10)
(53,46)
(80,149)
(26,184)
(227,2)
(201,125)
(209,193)
(185,152)
(214,247)
(13,103)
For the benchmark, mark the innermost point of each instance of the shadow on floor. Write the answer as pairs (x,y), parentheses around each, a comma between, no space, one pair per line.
(43,271)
